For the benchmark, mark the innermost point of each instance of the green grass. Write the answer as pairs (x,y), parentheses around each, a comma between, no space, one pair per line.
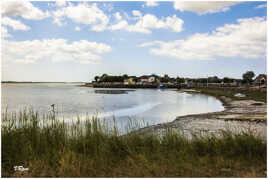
(90,149)
(250,94)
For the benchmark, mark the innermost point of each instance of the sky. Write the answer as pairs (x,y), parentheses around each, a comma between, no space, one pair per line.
(75,41)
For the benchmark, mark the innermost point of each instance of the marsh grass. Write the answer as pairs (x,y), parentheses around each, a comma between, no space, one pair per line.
(88,148)
(250,94)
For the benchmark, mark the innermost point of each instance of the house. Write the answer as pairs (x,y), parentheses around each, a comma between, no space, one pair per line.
(260,80)
(144,79)
(152,78)
(188,82)
(131,80)
(126,82)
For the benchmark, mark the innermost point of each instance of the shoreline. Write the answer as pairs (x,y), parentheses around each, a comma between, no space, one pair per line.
(125,91)
(251,111)
(131,86)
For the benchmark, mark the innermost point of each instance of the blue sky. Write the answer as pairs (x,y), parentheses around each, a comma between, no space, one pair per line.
(75,41)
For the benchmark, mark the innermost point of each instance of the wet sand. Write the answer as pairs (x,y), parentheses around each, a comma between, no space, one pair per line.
(238,116)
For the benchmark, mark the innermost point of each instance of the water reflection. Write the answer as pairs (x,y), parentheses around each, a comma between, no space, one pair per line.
(147,106)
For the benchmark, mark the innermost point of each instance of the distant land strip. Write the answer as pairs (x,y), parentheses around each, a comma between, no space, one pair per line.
(38,82)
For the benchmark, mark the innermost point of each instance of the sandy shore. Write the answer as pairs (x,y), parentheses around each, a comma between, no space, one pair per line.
(237,113)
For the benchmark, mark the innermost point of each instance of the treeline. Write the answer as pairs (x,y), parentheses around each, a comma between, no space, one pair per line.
(164,79)
(121,78)
(110,78)
(247,78)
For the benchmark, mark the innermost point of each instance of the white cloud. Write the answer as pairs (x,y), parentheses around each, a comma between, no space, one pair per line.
(136,13)
(147,22)
(121,25)
(4,33)
(57,50)
(151,3)
(117,16)
(261,6)
(15,24)
(58,17)
(246,39)
(83,13)
(60,3)
(22,8)
(77,28)
(204,7)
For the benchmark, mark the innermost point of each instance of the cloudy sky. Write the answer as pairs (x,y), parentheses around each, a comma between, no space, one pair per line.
(74,41)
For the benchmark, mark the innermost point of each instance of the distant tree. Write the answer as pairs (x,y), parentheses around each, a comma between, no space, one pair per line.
(104,75)
(103,78)
(125,76)
(96,78)
(110,78)
(248,77)
(164,79)
(166,76)
(227,80)
(203,80)
(213,79)
(180,80)
(199,80)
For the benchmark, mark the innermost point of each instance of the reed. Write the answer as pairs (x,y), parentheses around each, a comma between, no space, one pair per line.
(50,147)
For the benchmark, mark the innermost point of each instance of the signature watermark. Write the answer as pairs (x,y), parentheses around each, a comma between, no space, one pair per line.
(20,168)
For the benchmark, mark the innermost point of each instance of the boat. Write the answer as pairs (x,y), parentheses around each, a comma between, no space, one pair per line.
(162,86)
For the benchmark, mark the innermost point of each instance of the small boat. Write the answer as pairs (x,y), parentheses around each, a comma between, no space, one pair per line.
(162,86)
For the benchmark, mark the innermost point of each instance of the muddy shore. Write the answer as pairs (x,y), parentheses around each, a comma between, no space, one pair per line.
(113,91)
(245,113)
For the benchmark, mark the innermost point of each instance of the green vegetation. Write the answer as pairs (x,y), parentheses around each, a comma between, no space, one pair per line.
(110,78)
(248,77)
(246,80)
(230,92)
(50,148)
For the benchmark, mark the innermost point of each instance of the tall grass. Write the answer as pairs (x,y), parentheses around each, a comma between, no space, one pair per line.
(89,148)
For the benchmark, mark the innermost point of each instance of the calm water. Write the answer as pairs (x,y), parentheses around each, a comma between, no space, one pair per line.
(150,106)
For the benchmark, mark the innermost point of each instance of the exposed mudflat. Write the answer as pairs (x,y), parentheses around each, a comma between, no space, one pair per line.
(238,116)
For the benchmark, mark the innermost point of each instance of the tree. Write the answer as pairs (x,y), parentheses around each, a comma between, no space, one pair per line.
(125,76)
(248,76)
(96,78)
(164,79)
(166,76)
(213,79)
(227,80)
(103,77)
(179,80)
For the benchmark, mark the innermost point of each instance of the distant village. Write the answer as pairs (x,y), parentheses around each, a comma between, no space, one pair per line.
(154,81)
